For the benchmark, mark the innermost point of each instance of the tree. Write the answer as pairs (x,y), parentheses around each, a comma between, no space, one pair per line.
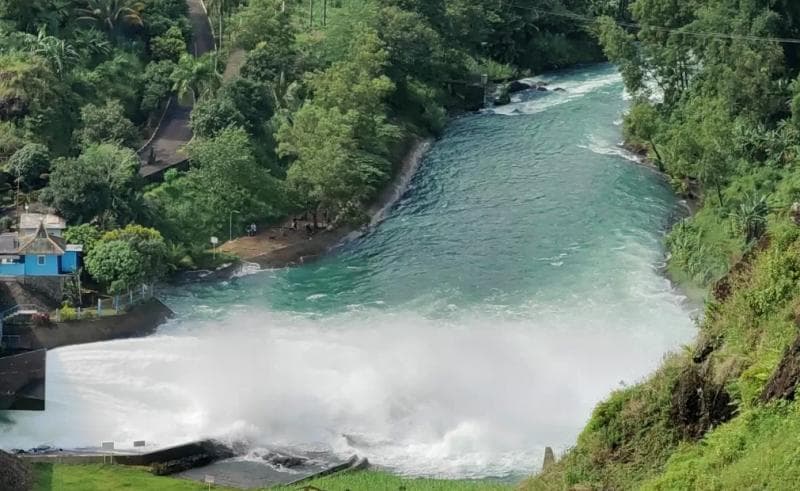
(93,45)
(213,114)
(358,85)
(26,85)
(340,139)
(84,234)
(106,124)
(11,139)
(643,124)
(157,84)
(262,64)
(101,184)
(225,176)
(330,170)
(148,243)
(241,102)
(119,77)
(620,48)
(29,163)
(195,76)
(223,8)
(170,46)
(116,264)
(264,21)
(111,14)
(413,48)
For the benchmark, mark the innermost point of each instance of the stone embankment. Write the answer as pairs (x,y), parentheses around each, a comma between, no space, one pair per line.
(140,320)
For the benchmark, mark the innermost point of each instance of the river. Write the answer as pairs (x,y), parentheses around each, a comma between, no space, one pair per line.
(514,285)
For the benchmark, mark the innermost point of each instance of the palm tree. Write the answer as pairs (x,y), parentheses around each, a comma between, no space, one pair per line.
(195,76)
(91,43)
(112,13)
(60,55)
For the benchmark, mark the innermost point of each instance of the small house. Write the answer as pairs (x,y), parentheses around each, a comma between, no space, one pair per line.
(39,250)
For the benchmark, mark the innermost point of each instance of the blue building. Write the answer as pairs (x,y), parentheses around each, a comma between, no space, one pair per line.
(39,251)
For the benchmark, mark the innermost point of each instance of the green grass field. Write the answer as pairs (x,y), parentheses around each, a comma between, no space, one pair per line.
(63,477)
(96,477)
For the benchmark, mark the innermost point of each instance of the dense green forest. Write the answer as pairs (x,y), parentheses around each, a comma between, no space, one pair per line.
(717,107)
(330,95)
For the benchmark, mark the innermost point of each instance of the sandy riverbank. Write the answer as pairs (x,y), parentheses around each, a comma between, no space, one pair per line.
(280,246)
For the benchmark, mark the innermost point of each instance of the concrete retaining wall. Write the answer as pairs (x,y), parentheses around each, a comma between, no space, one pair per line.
(22,381)
(209,448)
(140,320)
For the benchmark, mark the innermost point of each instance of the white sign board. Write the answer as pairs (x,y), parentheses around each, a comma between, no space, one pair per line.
(215,240)
(107,445)
(209,479)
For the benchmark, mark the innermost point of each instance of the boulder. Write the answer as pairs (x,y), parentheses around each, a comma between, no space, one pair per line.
(502,99)
(184,457)
(518,86)
(559,89)
(183,464)
(15,475)
(283,460)
(541,88)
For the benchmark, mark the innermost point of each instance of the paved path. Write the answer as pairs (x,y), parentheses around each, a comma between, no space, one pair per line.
(175,131)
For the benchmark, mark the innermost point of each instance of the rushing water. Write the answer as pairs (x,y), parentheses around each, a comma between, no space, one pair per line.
(513,286)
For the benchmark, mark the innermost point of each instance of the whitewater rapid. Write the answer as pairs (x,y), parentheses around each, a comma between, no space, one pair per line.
(513,287)
(471,397)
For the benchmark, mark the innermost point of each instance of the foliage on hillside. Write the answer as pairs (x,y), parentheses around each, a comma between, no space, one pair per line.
(326,101)
(719,115)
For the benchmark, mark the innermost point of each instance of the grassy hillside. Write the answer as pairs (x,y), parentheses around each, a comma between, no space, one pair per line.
(715,415)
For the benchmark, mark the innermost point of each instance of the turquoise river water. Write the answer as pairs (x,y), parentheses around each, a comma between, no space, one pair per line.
(511,288)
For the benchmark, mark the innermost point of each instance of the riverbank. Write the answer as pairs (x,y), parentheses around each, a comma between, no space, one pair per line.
(284,245)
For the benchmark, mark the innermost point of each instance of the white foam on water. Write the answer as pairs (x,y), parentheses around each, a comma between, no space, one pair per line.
(573,90)
(600,146)
(248,268)
(474,397)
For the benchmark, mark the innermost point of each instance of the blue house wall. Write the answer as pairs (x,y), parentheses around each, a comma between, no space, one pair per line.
(33,268)
(12,269)
(69,262)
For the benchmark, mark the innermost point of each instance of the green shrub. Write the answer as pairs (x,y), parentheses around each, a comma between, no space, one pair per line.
(775,280)
(700,250)
(67,313)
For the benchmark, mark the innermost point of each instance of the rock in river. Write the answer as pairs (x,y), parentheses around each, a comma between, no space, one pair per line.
(518,86)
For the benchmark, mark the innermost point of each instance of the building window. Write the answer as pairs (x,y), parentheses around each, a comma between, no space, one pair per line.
(6,260)
(40,260)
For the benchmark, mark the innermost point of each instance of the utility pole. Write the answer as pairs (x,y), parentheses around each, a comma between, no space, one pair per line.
(324,13)
(311,13)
